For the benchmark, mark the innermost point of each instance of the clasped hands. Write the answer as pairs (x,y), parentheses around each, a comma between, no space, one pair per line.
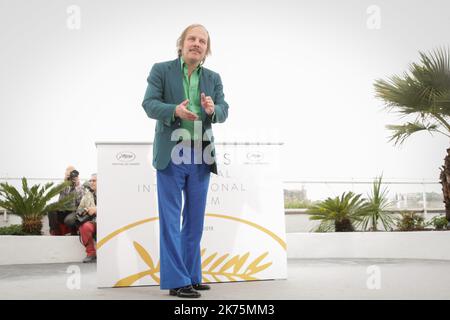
(182,111)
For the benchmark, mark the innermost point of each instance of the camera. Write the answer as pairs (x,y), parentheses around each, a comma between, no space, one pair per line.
(72,176)
(82,218)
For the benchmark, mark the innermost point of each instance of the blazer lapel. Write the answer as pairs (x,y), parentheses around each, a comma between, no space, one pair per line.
(176,80)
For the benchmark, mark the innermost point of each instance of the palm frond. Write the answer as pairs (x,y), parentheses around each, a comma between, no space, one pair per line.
(34,201)
(13,199)
(404,131)
(424,91)
(378,204)
(325,226)
(349,206)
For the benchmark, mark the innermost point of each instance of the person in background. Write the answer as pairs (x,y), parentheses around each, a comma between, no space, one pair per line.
(87,220)
(58,218)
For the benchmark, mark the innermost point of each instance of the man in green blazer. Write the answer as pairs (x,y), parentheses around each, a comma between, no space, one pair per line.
(185,98)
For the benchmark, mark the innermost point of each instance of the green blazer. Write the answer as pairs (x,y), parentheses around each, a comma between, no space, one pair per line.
(164,92)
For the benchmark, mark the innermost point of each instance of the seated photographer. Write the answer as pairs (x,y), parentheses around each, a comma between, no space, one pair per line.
(58,218)
(86,220)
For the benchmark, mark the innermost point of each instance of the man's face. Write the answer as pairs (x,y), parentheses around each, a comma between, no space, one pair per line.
(195,45)
(93,183)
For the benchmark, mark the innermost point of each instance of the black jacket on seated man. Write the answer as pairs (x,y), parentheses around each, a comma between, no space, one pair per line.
(56,218)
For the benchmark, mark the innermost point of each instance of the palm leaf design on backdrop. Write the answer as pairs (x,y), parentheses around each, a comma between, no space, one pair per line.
(231,270)
(214,268)
(151,271)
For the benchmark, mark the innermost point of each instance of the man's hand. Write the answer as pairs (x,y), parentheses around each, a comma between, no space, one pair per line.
(91,211)
(182,112)
(207,104)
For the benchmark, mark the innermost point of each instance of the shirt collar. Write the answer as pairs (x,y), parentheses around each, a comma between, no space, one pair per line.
(183,64)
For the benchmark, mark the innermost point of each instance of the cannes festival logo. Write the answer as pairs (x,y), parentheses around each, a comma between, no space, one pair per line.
(255,156)
(217,265)
(125,156)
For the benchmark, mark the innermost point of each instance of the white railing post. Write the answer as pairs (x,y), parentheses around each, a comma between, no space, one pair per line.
(5,214)
(424,198)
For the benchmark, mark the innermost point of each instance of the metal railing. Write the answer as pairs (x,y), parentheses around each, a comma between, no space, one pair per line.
(399,192)
(321,188)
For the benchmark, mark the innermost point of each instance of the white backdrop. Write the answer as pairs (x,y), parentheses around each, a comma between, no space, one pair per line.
(244,234)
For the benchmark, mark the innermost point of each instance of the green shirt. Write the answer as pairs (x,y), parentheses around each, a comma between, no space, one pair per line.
(191,92)
(191,86)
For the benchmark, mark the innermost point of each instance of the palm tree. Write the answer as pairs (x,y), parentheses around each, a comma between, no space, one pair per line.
(445,181)
(339,213)
(378,204)
(33,205)
(424,94)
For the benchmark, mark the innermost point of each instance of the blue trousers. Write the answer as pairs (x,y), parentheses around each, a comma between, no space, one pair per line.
(180,254)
